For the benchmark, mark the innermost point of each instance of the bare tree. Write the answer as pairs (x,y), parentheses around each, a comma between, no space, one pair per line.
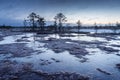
(60,18)
(79,25)
(117,24)
(55,25)
(117,27)
(25,23)
(96,27)
(41,22)
(32,17)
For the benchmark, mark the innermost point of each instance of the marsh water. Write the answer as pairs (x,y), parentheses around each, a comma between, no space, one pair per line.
(47,60)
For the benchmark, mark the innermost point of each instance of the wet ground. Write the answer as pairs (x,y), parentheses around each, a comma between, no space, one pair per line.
(31,56)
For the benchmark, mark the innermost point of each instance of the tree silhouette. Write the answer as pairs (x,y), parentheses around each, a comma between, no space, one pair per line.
(60,18)
(96,27)
(117,27)
(55,25)
(25,23)
(41,22)
(79,25)
(117,24)
(32,17)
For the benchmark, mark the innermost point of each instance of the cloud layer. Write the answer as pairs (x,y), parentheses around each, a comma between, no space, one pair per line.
(85,10)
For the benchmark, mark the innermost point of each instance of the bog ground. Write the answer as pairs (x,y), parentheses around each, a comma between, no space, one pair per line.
(31,56)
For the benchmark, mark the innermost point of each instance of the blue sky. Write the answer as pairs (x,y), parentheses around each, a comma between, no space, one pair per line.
(13,12)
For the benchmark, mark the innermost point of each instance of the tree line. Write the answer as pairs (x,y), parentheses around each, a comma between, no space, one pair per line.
(36,21)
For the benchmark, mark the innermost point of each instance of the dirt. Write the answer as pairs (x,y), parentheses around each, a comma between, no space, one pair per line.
(11,70)
(108,49)
(16,49)
(60,45)
(115,45)
(118,66)
(103,71)
(61,76)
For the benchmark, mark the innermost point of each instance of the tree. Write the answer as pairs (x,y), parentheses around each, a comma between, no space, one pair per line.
(117,27)
(55,25)
(25,23)
(117,24)
(96,27)
(32,17)
(60,18)
(79,25)
(41,22)
(68,27)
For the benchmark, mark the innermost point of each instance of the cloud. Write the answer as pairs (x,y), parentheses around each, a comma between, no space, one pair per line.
(19,9)
(95,18)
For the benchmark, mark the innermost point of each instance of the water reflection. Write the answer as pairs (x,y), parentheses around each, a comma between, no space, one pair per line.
(47,59)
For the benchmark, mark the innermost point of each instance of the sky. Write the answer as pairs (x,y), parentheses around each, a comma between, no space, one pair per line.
(13,12)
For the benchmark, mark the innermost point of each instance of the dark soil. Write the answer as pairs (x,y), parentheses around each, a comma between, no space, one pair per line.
(108,49)
(60,45)
(16,49)
(102,71)
(118,66)
(13,71)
